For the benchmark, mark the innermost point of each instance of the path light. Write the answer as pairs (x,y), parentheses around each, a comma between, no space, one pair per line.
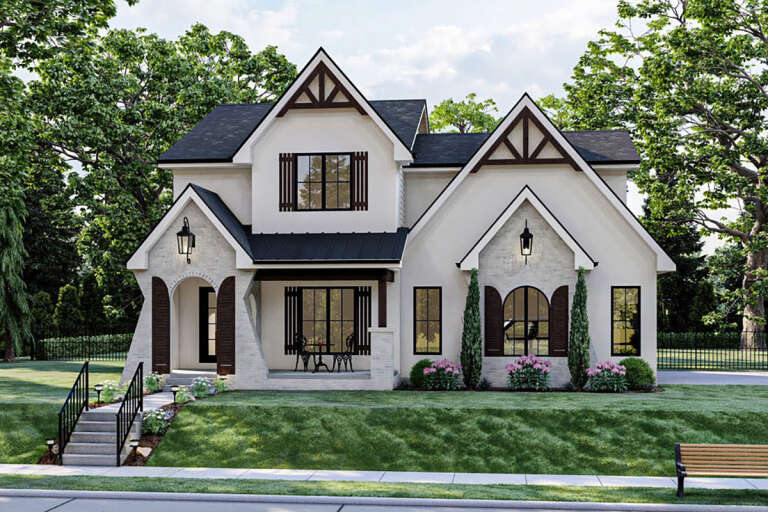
(186,240)
(174,390)
(98,388)
(134,444)
(526,242)
(50,443)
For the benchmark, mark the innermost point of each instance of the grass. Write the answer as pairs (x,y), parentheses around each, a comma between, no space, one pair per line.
(631,434)
(31,394)
(392,490)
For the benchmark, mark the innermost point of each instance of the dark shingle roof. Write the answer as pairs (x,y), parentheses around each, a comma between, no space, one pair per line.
(307,247)
(455,149)
(221,133)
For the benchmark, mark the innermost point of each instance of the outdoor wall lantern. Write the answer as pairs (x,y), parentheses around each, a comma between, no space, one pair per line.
(186,240)
(526,242)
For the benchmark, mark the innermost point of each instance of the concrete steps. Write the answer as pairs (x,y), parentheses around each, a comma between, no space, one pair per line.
(186,378)
(93,442)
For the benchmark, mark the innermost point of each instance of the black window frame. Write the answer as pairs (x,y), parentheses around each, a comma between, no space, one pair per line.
(526,321)
(355,321)
(203,355)
(639,321)
(439,320)
(323,181)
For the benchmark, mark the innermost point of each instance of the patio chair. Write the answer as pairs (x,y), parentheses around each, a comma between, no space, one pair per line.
(300,342)
(345,356)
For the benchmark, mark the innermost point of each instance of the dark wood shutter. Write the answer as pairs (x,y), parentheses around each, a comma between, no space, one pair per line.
(494,323)
(287,182)
(360,180)
(292,317)
(558,323)
(161,327)
(225,327)
(363,319)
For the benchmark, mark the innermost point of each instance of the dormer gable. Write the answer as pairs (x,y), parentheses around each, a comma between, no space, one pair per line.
(322,84)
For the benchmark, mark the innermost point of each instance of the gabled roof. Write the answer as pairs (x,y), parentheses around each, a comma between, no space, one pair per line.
(455,149)
(283,248)
(663,262)
(580,257)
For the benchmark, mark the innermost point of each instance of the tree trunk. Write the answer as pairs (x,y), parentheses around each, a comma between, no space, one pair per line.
(10,354)
(753,331)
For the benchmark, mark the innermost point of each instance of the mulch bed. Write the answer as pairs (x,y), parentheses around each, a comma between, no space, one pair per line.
(152,440)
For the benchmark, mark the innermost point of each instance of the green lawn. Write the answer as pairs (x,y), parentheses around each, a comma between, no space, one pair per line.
(443,491)
(630,434)
(31,394)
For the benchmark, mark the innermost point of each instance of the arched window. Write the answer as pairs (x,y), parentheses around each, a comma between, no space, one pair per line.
(526,322)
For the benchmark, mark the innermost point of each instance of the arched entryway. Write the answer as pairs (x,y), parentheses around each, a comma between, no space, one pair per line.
(193,340)
(526,322)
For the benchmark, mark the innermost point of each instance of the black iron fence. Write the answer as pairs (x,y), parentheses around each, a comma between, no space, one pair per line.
(103,347)
(739,350)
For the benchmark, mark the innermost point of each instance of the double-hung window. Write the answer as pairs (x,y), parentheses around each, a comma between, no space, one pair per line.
(625,320)
(323,181)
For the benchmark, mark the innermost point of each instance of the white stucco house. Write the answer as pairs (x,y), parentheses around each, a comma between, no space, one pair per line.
(333,217)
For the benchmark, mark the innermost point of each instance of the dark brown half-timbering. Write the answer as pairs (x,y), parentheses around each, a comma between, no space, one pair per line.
(287,182)
(360,180)
(321,89)
(225,327)
(494,323)
(523,153)
(558,323)
(161,327)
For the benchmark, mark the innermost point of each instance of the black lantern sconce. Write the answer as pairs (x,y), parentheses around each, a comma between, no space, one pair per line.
(186,240)
(526,242)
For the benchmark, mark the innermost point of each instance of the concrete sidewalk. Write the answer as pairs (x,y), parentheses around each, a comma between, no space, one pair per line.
(384,476)
(708,377)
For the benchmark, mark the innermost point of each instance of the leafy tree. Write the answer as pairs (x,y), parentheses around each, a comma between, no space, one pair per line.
(726,271)
(34,29)
(92,305)
(694,81)
(466,116)
(68,317)
(471,339)
(14,152)
(578,346)
(41,314)
(113,105)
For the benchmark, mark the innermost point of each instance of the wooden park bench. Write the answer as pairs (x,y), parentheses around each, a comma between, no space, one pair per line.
(735,460)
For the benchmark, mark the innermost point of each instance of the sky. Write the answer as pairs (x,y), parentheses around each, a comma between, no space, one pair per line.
(399,49)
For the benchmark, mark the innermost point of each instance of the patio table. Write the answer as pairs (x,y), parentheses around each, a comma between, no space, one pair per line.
(320,353)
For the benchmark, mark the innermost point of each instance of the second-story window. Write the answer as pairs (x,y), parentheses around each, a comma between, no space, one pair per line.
(323,182)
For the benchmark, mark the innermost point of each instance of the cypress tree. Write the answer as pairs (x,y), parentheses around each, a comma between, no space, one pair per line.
(578,347)
(92,304)
(471,340)
(67,317)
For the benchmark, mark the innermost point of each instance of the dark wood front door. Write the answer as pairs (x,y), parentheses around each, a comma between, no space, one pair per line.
(207,330)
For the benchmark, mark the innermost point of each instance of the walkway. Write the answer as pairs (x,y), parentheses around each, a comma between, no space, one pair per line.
(151,402)
(707,377)
(385,476)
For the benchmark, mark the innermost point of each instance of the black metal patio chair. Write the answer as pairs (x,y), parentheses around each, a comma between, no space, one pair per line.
(300,342)
(345,356)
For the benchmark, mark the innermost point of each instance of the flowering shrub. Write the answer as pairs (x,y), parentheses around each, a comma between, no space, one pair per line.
(156,421)
(528,373)
(201,386)
(442,375)
(183,395)
(111,391)
(153,383)
(220,385)
(607,377)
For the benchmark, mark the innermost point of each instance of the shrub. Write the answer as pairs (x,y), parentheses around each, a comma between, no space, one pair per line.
(111,391)
(153,382)
(417,372)
(442,375)
(67,316)
(156,421)
(578,347)
(201,386)
(528,373)
(183,395)
(607,377)
(220,385)
(639,373)
(471,340)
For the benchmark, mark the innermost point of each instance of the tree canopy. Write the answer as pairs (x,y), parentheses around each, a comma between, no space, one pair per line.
(465,116)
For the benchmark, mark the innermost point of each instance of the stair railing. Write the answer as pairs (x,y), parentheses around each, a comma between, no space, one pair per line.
(76,402)
(132,404)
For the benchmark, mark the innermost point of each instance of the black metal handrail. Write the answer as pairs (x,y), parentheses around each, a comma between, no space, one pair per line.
(133,404)
(70,412)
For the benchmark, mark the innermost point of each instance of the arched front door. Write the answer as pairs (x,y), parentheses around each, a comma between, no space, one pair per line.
(526,322)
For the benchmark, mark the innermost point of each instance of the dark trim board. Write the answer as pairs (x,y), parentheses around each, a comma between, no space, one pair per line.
(202,333)
(323,274)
